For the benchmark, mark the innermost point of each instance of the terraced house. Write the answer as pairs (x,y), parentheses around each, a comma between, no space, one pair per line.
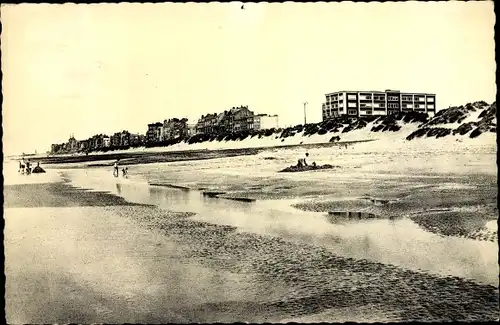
(236,119)
(207,124)
(174,128)
(368,103)
(154,132)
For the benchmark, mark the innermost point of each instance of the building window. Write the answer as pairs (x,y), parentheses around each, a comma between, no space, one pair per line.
(430,99)
(351,97)
(393,98)
(431,106)
(352,105)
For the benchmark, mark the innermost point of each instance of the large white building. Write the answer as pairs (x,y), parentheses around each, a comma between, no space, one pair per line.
(367,103)
(264,121)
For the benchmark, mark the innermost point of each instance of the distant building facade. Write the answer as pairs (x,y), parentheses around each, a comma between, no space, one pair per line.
(106,141)
(369,103)
(83,145)
(99,142)
(154,132)
(191,129)
(135,140)
(124,138)
(236,119)
(174,128)
(72,144)
(262,122)
(207,124)
(116,139)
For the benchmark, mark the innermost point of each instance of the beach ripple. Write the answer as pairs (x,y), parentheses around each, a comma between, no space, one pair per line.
(319,281)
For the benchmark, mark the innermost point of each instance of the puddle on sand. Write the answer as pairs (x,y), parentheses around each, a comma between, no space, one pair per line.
(399,242)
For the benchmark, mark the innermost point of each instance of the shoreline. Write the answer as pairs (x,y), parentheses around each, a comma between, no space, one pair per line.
(145,157)
(297,290)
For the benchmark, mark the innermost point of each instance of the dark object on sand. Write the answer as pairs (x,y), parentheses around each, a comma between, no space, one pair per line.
(216,195)
(38,170)
(352,215)
(295,169)
(213,194)
(184,188)
(241,199)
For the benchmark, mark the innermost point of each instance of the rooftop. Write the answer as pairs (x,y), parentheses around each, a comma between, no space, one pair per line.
(377,91)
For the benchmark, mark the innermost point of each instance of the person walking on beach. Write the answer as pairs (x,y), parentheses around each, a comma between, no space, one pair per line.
(125,171)
(116,170)
(28,169)
(22,166)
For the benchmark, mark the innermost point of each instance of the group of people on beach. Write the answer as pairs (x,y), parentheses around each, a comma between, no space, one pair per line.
(116,169)
(302,162)
(25,167)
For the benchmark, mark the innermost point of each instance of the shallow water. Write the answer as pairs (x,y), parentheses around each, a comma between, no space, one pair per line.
(87,272)
(398,241)
(267,261)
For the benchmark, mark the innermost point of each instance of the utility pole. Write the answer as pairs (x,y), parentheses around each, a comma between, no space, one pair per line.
(305,116)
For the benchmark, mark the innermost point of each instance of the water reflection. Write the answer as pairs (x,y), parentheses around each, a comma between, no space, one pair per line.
(148,290)
(399,242)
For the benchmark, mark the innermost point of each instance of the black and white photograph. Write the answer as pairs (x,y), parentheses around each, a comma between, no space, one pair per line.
(250,162)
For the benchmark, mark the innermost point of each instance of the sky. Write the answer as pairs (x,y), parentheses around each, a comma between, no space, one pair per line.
(103,68)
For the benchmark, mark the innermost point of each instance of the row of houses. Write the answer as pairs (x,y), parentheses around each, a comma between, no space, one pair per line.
(170,129)
(123,139)
(234,120)
(237,119)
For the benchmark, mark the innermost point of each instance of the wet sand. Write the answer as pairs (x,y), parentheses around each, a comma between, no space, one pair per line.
(452,216)
(58,194)
(94,258)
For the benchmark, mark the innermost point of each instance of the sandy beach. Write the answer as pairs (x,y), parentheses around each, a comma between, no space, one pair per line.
(114,250)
